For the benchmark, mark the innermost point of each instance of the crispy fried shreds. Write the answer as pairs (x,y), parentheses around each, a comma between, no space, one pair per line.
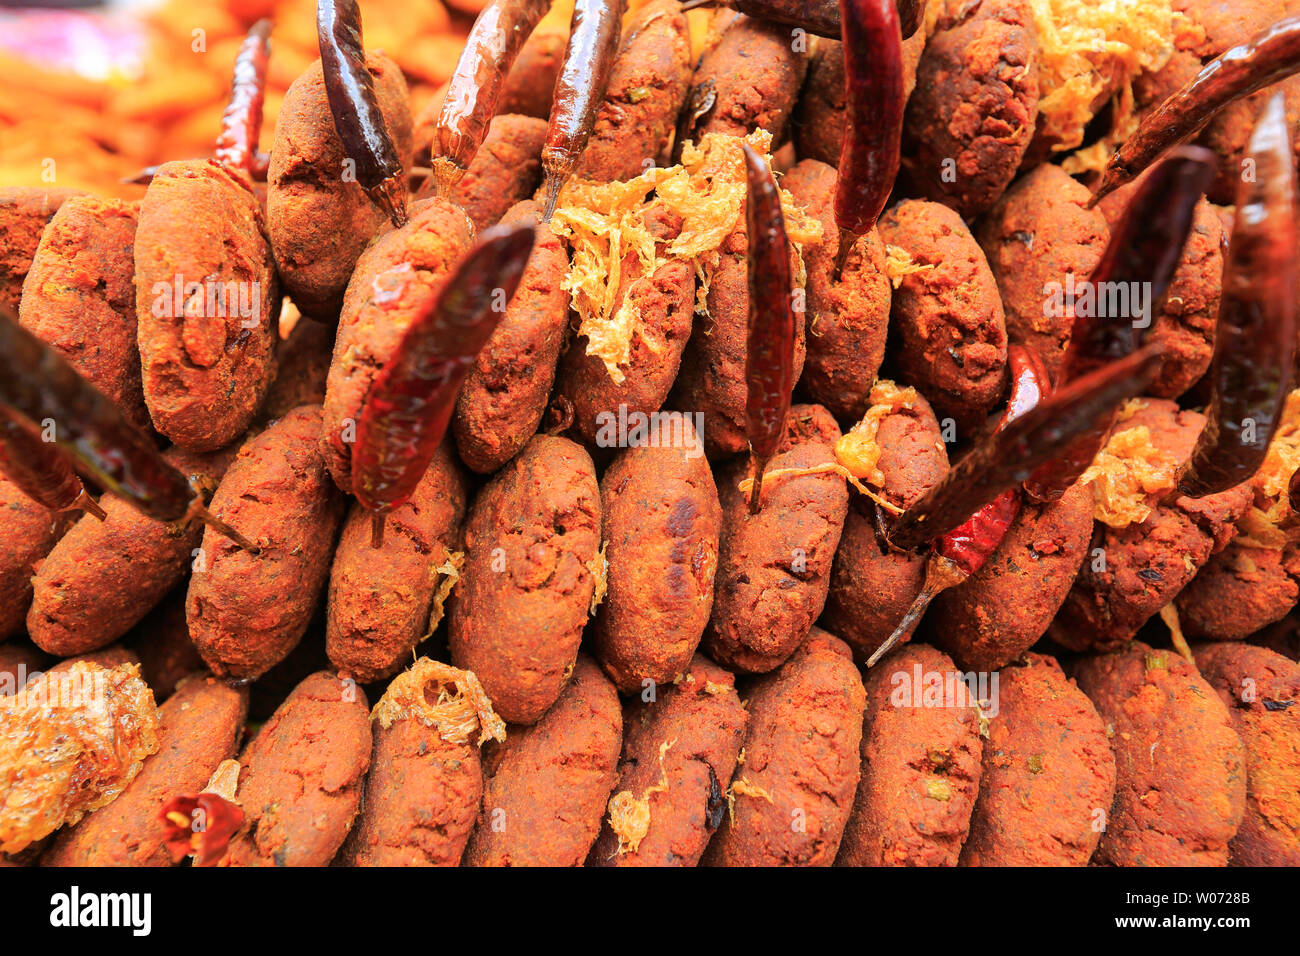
(599,567)
(858,449)
(1125,476)
(70,742)
(603,222)
(1280,463)
(1169,614)
(827,468)
(746,789)
(629,816)
(1257,529)
(450,571)
(201,825)
(899,264)
(438,695)
(1089,49)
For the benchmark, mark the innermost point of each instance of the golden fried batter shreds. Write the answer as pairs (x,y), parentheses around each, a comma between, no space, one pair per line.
(69,743)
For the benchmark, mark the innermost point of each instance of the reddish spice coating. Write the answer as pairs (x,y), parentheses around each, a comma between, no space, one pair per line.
(531,81)
(18,662)
(921,751)
(380,599)
(1180,787)
(870,591)
(1260,688)
(394,280)
(79,296)
(30,531)
(301,364)
(819,116)
(300,778)
(1000,611)
(647,87)
(426,781)
(532,540)
(320,222)
(506,170)
(661,521)
(679,751)
(752,78)
(1241,590)
(848,314)
(1187,318)
(162,642)
(712,375)
(504,396)
(72,611)
(205,366)
(1048,776)
(949,321)
(972,114)
(24,212)
(1040,232)
(793,787)
(108,657)
(545,788)
(665,303)
(774,567)
(200,726)
(1145,565)
(246,610)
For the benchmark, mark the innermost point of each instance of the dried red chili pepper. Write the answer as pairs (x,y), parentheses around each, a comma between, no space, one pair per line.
(769,355)
(1010,456)
(1143,253)
(957,555)
(873,81)
(475,87)
(1254,347)
(1269,56)
(579,90)
(37,383)
(199,824)
(818,17)
(241,123)
(357,118)
(41,472)
(413,396)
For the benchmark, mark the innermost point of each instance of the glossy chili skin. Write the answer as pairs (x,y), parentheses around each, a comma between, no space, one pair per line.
(579,90)
(38,383)
(242,120)
(40,470)
(413,397)
(819,17)
(971,543)
(770,341)
(1011,455)
(357,118)
(1144,251)
(873,77)
(1269,56)
(475,87)
(1254,348)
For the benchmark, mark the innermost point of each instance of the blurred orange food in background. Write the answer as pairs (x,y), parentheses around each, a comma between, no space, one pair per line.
(89,97)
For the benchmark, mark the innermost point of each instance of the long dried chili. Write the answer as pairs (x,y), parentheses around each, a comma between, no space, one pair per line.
(475,87)
(1010,456)
(1141,258)
(818,17)
(957,555)
(1269,56)
(1254,347)
(37,383)
(579,90)
(357,118)
(41,471)
(241,123)
(411,401)
(873,81)
(769,355)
